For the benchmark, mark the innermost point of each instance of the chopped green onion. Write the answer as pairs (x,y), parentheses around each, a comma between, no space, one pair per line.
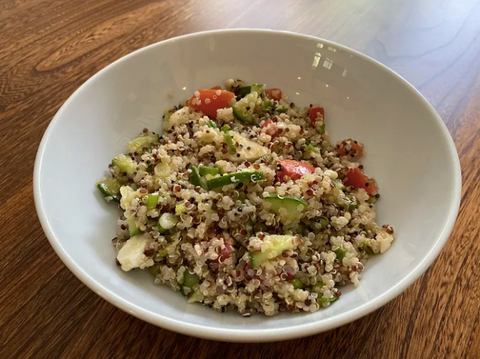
(152,200)
(211,124)
(340,252)
(297,284)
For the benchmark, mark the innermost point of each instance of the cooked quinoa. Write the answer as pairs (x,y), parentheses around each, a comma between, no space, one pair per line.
(243,203)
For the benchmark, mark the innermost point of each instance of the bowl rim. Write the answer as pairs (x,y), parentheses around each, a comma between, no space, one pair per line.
(248,334)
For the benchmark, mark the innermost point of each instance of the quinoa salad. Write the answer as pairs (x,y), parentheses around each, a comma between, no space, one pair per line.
(243,204)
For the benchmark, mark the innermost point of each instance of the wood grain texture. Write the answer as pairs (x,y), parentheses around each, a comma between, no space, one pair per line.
(48,48)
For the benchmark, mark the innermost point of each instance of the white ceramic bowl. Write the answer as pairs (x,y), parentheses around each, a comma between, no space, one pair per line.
(409,152)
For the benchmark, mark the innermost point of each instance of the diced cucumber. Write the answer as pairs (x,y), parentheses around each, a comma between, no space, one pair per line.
(259,88)
(196,296)
(372,200)
(245,90)
(190,280)
(132,227)
(152,200)
(131,255)
(162,170)
(245,108)
(128,195)
(196,179)
(213,171)
(142,142)
(280,243)
(340,252)
(294,206)
(110,188)
(248,150)
(167,221)
(125,164)
(235,178)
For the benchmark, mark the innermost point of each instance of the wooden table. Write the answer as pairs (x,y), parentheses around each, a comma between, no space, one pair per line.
(49,48)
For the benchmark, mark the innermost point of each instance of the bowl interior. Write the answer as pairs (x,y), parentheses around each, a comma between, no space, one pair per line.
(409,152)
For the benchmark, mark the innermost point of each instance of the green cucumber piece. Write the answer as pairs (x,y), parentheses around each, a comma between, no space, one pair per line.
(245,90)
(110,187)
(196,179)
(125,164)
(340,252)
(213,171)
(142,142)
(372,200)
(152,200)
(290,203)
(190,280)
(235,178)
(280,243)
(259,88)
(132,227)
(245,108)
(248,150)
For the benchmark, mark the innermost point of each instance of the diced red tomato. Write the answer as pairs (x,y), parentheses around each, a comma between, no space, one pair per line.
(314,113)
(356,178)
(270,128)
(293,169)
(350,147)
(216,88)
(274,94)
(224,254)
(209,101)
